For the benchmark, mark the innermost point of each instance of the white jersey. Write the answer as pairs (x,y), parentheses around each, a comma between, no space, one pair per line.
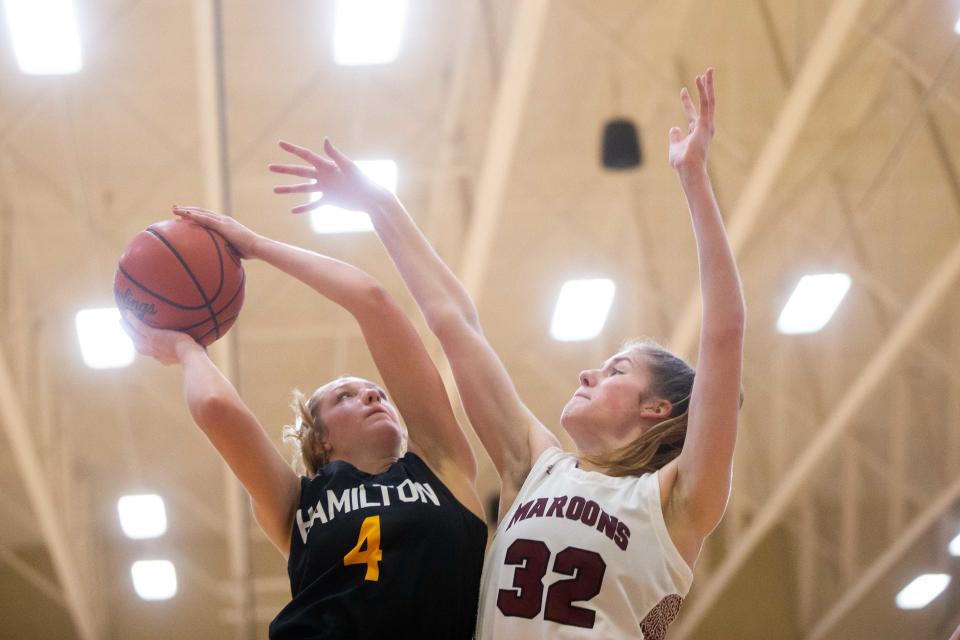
(582,555)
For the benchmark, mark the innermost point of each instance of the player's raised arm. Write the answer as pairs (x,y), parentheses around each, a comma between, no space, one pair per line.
(705,464)
(511,434)
(403,361)
(233,430)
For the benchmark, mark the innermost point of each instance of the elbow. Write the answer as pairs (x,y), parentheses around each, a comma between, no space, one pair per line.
(729,325)
(212,409)
(447,321)
(370,295)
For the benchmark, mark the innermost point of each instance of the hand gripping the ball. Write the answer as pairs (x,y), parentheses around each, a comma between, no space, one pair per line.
(240,237)
(164,346)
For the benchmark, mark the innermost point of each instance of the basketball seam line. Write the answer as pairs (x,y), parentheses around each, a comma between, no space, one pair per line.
(186,268)
(156,295)
(217,311)
(243,280)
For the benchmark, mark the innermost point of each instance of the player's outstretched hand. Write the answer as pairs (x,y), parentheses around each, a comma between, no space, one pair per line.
(337,177)
(162,345)
(240,237)
(690,150)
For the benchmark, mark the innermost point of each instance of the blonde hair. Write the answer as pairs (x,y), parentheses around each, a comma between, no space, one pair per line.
(672,380)
(308,432)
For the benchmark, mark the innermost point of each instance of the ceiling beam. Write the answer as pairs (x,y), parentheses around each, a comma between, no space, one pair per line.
(935,290)
(437,202)
(790,122)
(886,46)
(29,573)
(40,493)
(215,168)
(883,564)
(516,79)
(12,511)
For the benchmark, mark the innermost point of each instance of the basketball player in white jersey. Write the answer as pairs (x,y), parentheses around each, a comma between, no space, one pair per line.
(600,542)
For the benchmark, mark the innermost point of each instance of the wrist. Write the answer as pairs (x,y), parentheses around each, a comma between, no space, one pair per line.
(379,200)
(256,244)
(692,171)
(185,346)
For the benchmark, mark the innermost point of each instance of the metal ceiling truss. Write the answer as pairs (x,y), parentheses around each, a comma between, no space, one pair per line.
(905,333)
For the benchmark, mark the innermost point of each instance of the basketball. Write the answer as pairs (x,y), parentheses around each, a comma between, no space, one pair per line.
(181,276)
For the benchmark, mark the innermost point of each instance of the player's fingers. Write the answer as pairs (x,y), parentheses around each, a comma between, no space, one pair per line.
(301,152)
(711,94)
(305,187)
(135,323)
(200,210)
(200,216)
(294,170)
(688,109)
(129,330)
(704,98)
(310,206)
(338,156)
(204,220)
(675,135)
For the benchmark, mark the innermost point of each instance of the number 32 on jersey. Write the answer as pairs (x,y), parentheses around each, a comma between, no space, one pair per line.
(525,600)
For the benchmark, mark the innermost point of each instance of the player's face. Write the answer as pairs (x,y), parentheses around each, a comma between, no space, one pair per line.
(359,415)
(608,408)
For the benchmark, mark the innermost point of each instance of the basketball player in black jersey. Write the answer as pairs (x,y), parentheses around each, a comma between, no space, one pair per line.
(380,543)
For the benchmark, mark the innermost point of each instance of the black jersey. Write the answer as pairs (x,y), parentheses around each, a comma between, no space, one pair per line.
(388,555)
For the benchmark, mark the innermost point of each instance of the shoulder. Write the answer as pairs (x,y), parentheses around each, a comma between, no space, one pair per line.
(552,459)
(552,463)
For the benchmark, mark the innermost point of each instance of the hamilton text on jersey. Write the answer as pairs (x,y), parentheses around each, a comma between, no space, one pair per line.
(362,497)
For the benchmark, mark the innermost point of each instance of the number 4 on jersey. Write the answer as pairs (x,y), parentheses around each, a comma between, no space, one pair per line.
(367,550)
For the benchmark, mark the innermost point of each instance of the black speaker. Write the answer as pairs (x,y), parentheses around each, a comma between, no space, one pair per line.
(621,145)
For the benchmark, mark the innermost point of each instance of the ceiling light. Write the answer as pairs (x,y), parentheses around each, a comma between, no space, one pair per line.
(813,302)
(331,219)
(103,343)
(46,39)
(142,516)
(922,590)
(154,579)
(955,546)
(581,309)
(368,31)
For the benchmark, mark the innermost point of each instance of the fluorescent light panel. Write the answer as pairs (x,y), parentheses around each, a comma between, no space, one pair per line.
(368,31)
(331,219)
(154,579)
(813,302)
(103,343)
(956,27)
(142,516)
(954,547)
(922,590)
(46,39)
(581,309)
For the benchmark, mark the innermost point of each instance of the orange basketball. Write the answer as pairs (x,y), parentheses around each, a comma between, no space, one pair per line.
(179,275)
